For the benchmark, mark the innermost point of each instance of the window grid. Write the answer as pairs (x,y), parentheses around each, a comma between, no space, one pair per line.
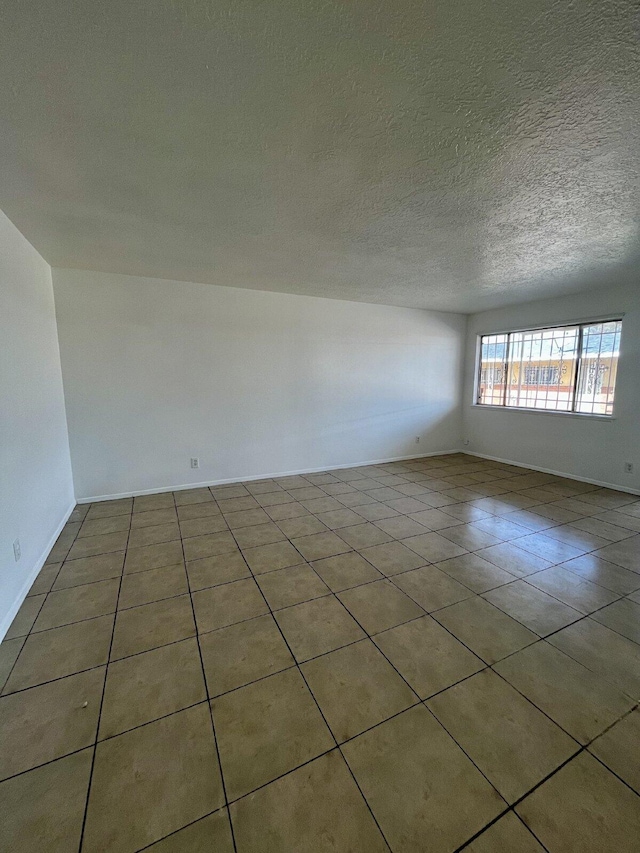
(570,368)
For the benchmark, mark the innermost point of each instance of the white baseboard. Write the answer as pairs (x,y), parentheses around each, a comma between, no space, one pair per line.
(564,474)
(183,486)
(33,574)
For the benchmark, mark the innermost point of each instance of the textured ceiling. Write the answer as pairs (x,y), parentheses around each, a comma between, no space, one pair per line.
(447,154)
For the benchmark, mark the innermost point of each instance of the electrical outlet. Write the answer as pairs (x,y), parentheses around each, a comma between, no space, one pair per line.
(195,462)
(465,441)
(628,467)
(417,439)
(17,553)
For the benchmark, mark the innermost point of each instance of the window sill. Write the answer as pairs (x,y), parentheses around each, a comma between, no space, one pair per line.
(581,415)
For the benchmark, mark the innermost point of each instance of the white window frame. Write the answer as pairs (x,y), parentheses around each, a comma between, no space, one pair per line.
(580,325)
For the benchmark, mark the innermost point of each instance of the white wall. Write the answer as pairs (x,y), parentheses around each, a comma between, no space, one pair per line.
(36,491)
(590,448)
(252,383)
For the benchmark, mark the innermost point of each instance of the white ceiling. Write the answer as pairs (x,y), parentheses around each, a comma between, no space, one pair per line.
(447,154)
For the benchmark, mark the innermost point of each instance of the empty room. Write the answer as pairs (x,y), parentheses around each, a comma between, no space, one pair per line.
(320,426)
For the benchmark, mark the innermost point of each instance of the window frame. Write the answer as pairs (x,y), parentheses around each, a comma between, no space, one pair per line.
(580,325)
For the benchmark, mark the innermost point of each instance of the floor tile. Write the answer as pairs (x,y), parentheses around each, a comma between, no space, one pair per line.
(90,570)
(303,525)
(9,651)
(431,588)
(202,526)
(407,768)
(267,558)
(166,770)
(548,548)
(152,585)
(315,809)
(507,834)
(317,627)
(203,510)
(470,537)
(24,619)
(229,490)
(612,577)
(575,537)
(622,616)
(433,547)
(603,651)
(92,545)
(211,834)
(153,518)
(245,502)
(512,559)
(151,685)
(618,749)
(151,625)
(356,688)
(427,656)
(538,611)
(625,553)
(322,505)
(282,511)
(378,512)
(266,729)
(338,519)
(392,558)
(604,529)
(573,590)
(345,570)
(191,496)
(61,651)
(513,743)
(239,654)
(212,571)
(103,509)
(154,535)
(100,526)
(144,503)
(434,519)
(487,631)
(501,527)
(292,585)
(258,534)
(268,499)
(227,604)
(154,556)
(320,545)
(246,518)
(65,606)
(379,605)
(210,545)
(46,722)
(584,808)
(364,535)
(579,700)
(43,809)
(45,579)
(475,572)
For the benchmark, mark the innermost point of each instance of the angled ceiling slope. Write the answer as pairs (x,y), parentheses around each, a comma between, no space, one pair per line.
(427,153)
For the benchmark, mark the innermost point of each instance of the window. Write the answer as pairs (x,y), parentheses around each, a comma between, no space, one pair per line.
(561,369)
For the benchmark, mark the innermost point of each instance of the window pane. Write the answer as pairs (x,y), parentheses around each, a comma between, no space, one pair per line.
(542,368)
(598,368)
(493,354)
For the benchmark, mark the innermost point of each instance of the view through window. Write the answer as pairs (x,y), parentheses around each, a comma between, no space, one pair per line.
(562,369)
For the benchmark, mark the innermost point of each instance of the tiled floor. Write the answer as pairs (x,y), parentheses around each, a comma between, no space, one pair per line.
(422,656)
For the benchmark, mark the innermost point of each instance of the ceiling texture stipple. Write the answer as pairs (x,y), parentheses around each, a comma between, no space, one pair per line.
(446,154)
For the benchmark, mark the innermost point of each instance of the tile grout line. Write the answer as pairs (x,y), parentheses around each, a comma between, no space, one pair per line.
(104,686)
(208,699)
